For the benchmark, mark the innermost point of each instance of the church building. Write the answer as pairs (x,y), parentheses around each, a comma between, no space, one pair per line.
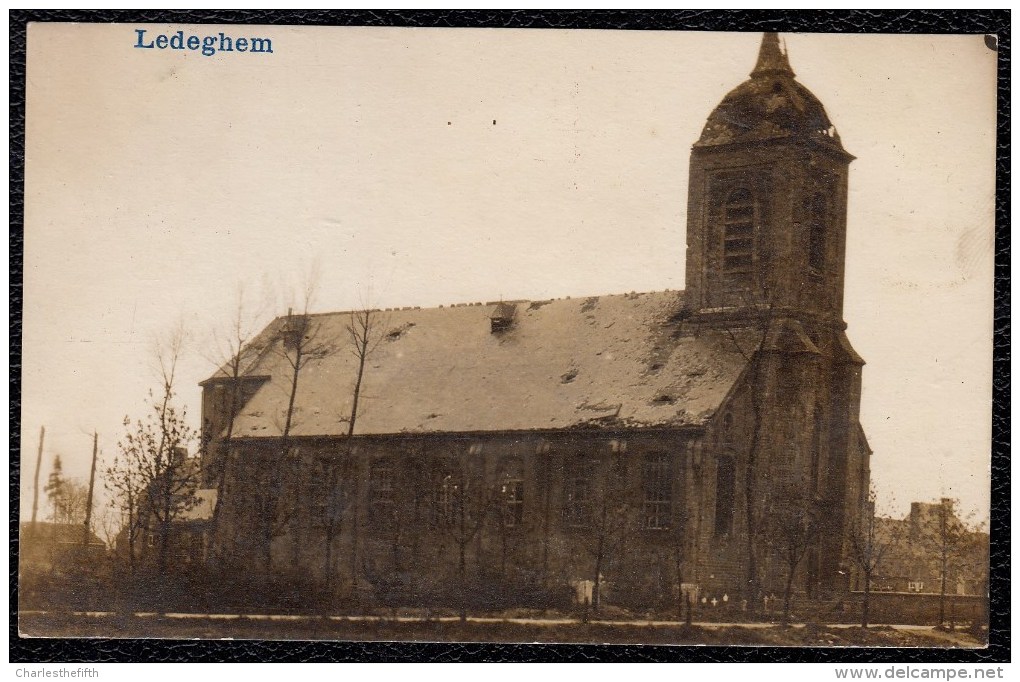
(638,446)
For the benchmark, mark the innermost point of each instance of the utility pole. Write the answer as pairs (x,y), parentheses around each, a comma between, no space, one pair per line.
(38,465)
(92,483)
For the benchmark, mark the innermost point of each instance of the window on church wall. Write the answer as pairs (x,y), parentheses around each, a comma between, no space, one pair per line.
(446,501)
(727,429)
(657,490)
(817,213)
(577,491)
(725,487)
(511,489)
(513,502)
(739,221)
(318,493)
(382,494)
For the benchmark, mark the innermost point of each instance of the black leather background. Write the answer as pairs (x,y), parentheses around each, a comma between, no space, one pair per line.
(872,21)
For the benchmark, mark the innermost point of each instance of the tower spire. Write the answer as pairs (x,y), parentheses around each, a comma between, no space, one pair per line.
(772,58)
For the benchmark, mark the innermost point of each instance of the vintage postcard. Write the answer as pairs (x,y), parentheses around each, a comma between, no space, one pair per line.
(507,335)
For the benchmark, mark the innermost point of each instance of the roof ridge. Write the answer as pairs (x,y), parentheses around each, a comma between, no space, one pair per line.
(471,304)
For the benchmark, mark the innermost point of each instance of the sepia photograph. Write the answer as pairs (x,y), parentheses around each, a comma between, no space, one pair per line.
(507,335)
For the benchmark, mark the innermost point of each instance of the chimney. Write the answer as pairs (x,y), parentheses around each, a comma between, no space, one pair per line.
(294,327)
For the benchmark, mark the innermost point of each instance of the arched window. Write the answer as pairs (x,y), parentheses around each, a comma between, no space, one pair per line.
(577,490)
(512,491)
(382,494)
(657,487)
(725,487)
(447,493)
(818,211)
(738,233)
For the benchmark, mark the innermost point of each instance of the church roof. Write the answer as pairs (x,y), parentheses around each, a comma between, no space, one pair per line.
(771,104)
(609,361)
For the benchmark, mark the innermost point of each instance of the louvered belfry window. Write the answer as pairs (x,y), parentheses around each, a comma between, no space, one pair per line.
(738,233)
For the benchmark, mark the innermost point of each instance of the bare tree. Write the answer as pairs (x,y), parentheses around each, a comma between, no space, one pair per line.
(867,546)
(108,525)
(791,530)
(236,352)
(950,542)
(682,552)
(154,450)
(602,514)
(302,342)
(398,500)
(363,335)
(124,480)
(67,497)
(512,524)
(750,340)
(463,500)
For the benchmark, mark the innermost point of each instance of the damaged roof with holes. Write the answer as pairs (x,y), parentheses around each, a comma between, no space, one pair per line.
(609,361)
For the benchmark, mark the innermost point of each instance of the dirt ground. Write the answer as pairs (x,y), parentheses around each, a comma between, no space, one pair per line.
(451,630)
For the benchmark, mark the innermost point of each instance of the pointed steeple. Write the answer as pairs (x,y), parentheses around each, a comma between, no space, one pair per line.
(772,58)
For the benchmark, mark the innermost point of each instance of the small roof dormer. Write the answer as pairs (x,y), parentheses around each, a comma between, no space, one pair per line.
(502,317)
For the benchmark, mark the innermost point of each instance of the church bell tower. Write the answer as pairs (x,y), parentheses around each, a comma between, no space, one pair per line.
(766,246)
(767,205)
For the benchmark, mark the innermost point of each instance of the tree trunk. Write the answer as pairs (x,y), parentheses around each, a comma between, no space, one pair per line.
(267,539)
(679,588)
(164,541)
(224,467)
(789,593)
(132,534)
(355,521)
(866,601)
(332,530)
(547,496)
(942,592)
(750,496)
(462,541)
(221,489)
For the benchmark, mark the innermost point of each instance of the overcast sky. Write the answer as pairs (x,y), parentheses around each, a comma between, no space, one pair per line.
(436,166)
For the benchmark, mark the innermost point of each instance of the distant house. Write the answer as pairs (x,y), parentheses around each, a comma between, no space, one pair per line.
(912,561)
(57,547)
(192,530)
(643,439)
(189,531)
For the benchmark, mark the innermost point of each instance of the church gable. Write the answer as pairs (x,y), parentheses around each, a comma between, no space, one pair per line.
(610,361)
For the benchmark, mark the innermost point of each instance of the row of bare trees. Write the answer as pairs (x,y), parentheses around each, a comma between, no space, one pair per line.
(153,482)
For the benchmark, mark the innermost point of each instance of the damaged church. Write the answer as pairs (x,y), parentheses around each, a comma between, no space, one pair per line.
(641,444)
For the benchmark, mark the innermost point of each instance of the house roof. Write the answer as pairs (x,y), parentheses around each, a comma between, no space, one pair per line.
(569,363)
(205,505)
